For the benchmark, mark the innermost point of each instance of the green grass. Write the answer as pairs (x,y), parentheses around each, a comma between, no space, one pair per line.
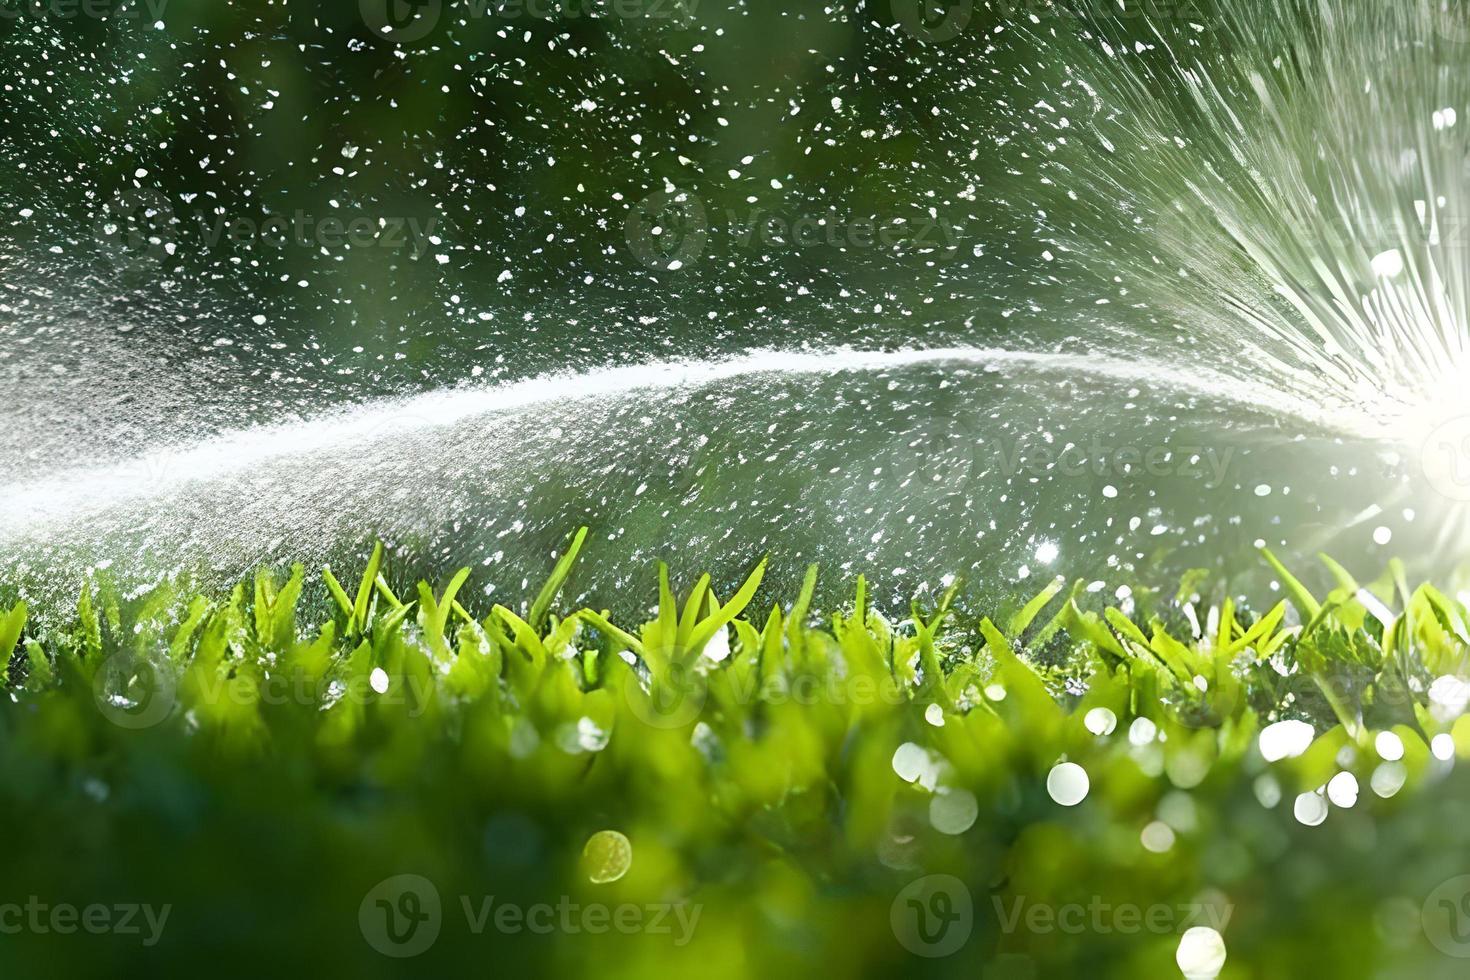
(262,760)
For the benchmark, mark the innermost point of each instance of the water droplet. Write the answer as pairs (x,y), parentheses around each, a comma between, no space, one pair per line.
(1068,784)
(1389,746)
(1100,721)
(1310,809)
(607,856)
(953,811)
(1157,837)
(1201,953)
(1285,740)
(1388,264)
(1342,790)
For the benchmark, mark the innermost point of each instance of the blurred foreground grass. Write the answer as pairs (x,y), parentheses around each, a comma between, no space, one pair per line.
(411,788)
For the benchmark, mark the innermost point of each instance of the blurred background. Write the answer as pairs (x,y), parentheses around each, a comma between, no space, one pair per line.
(215,216)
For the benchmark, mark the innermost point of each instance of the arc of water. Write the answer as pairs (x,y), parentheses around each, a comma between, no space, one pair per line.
(76,494)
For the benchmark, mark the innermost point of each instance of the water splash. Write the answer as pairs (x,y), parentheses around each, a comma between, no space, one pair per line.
(29,509)
(1295,176)
(1308,268)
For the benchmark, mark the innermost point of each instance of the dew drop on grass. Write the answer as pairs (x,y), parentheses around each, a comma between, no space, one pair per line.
(1388,779)
(1389,746)
(590,736)
(607,856)
(1179,811)
(1067,784)
(909,761)
(1285,740)
(1142,732)
(1100,721)
(1388,264)
(1201,953)
(1310,809)
(1157,837)
(1267,790)
(1443,747)
(1342,790)
(1448,698)
(953,811)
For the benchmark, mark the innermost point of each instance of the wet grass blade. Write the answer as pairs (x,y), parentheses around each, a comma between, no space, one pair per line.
(11,625)
(542,606)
